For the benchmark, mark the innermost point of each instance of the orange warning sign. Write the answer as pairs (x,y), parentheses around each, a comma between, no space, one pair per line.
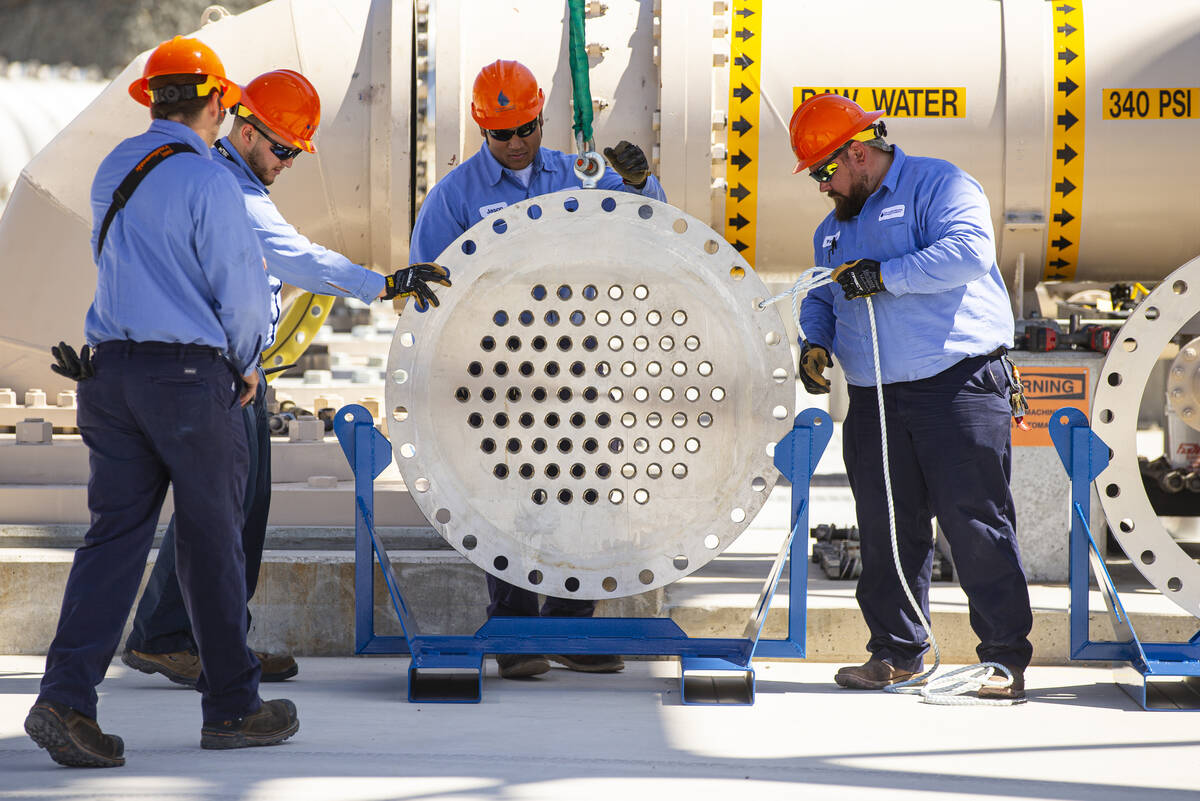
(1049,389)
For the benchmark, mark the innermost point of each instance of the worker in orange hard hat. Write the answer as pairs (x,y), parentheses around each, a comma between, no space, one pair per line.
(180,311)
(512,166)
(914,235)
(275,122)
(183,69)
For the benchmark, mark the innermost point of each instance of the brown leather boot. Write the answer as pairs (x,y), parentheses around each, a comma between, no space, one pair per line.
(72,739)
(1015,692)
(591,663)
(277,667)
(875,674)
(181,667)
(521,666)
(274,722)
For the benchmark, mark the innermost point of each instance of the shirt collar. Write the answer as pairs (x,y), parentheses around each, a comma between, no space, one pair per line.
(182,133)
(224,149)
(494,170)
(893,174)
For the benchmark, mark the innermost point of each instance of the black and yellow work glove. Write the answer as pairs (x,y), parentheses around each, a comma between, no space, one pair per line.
(630,163)
(413,282)
(859,279)
(76,368)
(813,361)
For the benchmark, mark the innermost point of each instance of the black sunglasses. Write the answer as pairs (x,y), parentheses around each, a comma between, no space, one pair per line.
(521,130)
(281,152)
(824,173)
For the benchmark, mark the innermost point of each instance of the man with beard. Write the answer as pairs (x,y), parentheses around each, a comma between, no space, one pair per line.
(915,234)
(277,119)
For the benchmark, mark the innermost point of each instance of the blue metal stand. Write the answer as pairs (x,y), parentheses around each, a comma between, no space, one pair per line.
(1159,676)
(449,668)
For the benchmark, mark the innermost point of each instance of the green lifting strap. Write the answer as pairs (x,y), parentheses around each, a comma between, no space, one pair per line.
(579,77)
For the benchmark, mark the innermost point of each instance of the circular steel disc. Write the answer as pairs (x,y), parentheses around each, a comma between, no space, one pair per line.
(592,410)
(1115,411)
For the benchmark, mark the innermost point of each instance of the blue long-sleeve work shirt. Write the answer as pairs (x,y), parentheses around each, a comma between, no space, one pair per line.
(929,226)
(481,185)
(291,256)
(180,263)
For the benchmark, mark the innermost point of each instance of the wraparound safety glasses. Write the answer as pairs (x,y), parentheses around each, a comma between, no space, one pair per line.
(522,131)
(281,152)
(824,173)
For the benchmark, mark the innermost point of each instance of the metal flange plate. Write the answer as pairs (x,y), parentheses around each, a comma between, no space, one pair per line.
(592,410)
(1123,377)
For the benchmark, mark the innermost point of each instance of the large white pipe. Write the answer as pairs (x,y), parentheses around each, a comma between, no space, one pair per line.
(353,196)
(998,69)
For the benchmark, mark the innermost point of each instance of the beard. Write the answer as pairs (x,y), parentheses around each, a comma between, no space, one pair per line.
(255,162)
(847,207)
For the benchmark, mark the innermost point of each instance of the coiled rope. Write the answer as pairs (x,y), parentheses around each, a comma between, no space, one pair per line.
(951,688)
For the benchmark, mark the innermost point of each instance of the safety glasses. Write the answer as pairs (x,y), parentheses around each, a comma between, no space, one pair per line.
(824,173)
(281,152)
(521,130)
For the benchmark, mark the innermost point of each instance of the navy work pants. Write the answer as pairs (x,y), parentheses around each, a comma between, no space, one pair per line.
(950,452)
(161,625)
(157,414)
(508,600)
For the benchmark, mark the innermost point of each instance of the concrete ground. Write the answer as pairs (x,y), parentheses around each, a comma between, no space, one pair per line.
(572,736)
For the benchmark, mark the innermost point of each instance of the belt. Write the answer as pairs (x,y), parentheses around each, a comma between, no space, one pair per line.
(178,349)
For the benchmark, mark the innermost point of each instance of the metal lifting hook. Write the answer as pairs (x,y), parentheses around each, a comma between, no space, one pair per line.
(589,165)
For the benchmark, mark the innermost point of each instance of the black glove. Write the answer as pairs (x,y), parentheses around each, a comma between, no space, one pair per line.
(414,282)
(859,278)
(630,163)
(813,361)
(76,368)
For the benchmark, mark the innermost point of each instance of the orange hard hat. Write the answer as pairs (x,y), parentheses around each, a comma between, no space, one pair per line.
(184,56)
(285,102)
(505,95)
(824,123)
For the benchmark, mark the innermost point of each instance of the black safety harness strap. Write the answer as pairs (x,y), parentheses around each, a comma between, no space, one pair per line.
(123,192)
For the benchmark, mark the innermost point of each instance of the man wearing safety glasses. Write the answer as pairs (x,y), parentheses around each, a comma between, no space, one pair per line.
(512,166)
(915,235)
(276,120)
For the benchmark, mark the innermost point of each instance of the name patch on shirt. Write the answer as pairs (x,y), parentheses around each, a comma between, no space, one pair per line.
(491,208)
(831,240)
(891,212)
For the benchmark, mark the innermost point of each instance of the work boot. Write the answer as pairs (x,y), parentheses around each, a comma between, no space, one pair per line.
(875,674)
(521,666)
(277,667)
(1015,692)
(591,663)
(72,739)
(274,722)
(181,667)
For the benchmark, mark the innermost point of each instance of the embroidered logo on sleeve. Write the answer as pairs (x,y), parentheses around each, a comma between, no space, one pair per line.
(491,208)
(891,213)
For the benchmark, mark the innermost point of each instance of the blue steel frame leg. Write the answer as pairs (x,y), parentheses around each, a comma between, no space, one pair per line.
(1156,675)
(731,681)
(448,668)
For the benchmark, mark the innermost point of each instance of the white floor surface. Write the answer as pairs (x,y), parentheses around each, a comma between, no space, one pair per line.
(573,737)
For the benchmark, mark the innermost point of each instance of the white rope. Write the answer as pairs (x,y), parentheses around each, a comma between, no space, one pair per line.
(949,689)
